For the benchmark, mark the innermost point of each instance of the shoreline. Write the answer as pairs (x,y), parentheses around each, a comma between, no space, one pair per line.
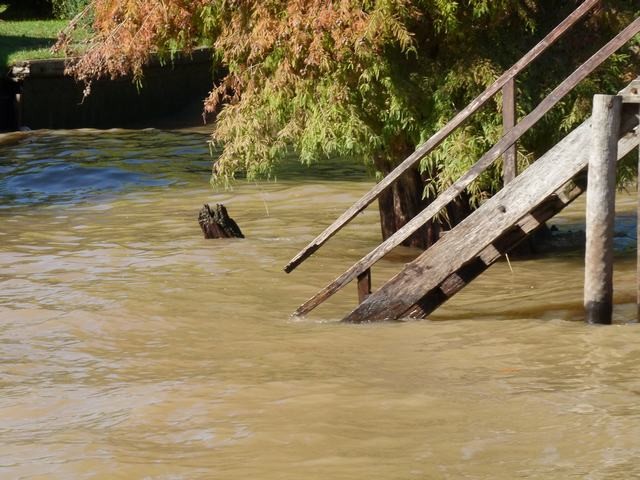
(37,94)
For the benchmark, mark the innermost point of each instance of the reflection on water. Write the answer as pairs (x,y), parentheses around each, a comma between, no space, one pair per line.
(132,348)
(57,168)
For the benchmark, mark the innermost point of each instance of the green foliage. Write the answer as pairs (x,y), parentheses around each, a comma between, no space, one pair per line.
(390,92)
(27,39)
(68,8)
(366,79)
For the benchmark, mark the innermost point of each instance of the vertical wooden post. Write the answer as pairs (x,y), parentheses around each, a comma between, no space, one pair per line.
(638,235)
(364,285)
(509,168)
(17,106)
(601,196)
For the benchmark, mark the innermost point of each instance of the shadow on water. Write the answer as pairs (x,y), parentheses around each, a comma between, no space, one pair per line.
(64,167)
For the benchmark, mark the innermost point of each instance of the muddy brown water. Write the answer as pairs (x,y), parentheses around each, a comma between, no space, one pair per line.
(132,348)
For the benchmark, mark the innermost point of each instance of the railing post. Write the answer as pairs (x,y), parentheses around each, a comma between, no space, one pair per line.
(638,236)
(364,285)
(509,168)
(631,95)
(601,197)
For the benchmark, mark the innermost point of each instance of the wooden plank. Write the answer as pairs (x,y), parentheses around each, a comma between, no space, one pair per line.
(601,209)
(441,135)
(490,254)
(427,304)
(456,282)
(474,172)
(509,159)
(631,94)
(493,252)
(480,229)
(364,286)
(452,285)
(631,140)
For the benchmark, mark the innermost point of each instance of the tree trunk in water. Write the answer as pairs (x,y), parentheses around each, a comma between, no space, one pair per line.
(405,199)
(216,223)
(400,203)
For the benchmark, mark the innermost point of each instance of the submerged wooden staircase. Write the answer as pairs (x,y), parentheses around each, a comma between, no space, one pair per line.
(524,204)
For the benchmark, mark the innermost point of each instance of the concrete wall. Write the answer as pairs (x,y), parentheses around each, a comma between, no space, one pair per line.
(8,90)
(49,99)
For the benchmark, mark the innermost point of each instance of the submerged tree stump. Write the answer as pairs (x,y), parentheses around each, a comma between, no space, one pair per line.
(216,223)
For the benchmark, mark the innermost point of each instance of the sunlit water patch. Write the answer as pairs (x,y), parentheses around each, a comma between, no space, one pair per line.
(57,168)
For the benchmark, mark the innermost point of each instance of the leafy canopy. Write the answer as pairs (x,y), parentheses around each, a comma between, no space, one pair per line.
(369,79)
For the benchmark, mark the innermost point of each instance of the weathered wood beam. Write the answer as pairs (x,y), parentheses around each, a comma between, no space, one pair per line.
(440,136)
(631,140)
(447,289)
(468,239)
(631,95)
(560,199)
(509,160)
(473,173)
(492,253)
(364,286)
(601,209)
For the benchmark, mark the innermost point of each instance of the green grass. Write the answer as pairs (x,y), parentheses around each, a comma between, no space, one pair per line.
(28,39)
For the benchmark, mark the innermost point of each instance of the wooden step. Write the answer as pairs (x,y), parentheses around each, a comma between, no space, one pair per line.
(500,223)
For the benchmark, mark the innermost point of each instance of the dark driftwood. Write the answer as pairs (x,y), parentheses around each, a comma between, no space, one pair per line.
(216,223)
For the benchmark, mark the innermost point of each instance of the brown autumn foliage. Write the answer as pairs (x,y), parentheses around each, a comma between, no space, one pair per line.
(125,33)
(365,79)
(380,74)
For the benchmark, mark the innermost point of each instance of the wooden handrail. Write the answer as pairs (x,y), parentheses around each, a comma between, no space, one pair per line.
(476,170)
(509,120)
(441,135)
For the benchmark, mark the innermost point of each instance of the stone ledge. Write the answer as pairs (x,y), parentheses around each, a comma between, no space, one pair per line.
(54,67)
(40,96)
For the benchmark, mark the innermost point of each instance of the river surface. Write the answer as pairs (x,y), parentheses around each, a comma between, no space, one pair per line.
(131,348)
